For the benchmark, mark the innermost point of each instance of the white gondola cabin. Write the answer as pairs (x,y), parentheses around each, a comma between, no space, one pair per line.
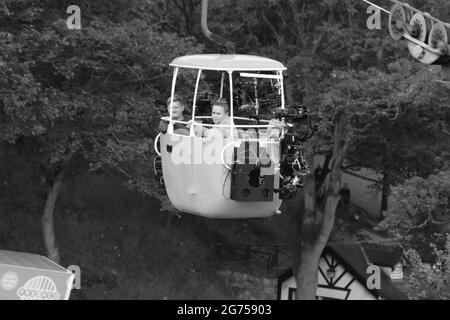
(236,175)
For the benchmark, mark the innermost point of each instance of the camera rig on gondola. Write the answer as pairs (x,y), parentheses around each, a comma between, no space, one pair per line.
(297,124)
(293,165)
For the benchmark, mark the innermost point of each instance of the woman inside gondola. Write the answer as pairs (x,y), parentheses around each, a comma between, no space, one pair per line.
(220,118)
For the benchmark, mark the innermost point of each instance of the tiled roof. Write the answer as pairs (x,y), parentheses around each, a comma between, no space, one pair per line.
(353,257)
(382,255)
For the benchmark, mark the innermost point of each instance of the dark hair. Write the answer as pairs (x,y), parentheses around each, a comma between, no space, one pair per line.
(221,102)
(176,98)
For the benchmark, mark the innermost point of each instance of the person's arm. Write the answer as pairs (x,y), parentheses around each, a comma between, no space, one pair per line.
(275,128)
(199,130)
(163,126)
(278,124)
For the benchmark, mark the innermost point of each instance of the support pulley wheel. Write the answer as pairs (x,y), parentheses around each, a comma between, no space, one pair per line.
(396,20)
(439,38)
(420,27)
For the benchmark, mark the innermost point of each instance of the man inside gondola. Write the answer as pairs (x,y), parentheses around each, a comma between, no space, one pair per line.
(179,126)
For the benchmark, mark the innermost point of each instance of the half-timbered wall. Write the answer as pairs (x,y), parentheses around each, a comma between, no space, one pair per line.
(342,286)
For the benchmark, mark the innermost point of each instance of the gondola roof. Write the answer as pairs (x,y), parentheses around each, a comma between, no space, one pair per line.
(228,62)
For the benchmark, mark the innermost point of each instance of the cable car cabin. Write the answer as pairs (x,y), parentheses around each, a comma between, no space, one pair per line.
(229,169)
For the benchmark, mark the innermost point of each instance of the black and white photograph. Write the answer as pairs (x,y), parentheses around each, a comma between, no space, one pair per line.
(223,155)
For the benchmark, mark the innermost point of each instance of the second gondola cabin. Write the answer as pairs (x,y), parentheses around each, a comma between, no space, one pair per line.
(232,176)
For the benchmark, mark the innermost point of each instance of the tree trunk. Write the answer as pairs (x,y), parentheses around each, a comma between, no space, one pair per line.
(313,221)
(312,235)
(47,219)
(306,274)
(385,194)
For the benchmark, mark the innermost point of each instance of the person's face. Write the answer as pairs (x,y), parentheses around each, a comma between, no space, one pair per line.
(218,114)
(177,110)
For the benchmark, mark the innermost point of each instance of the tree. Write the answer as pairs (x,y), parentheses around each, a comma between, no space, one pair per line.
(313,208)
(419,220)
(397,115)
(400,114)
(82,100)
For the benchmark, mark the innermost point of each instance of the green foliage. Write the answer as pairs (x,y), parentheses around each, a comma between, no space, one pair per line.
(419,218)
(397,117)
(430,281)
(84,99)
(399,113)
(417,204)
(89,99)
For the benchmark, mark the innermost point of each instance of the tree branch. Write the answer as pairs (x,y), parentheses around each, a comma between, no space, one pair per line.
(179,6)
(342,139)
(317,42)
(272,28)
(444,128)
(430,219)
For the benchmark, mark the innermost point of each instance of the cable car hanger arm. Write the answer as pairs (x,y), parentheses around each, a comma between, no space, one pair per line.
(222,43)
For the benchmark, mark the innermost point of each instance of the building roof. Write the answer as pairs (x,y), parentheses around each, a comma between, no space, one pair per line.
(28,260)
(353,257)
(383,256)
(228,62)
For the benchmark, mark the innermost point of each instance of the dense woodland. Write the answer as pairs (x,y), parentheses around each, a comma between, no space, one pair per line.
(83,102)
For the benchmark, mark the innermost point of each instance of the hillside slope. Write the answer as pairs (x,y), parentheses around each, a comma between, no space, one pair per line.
(125,249)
